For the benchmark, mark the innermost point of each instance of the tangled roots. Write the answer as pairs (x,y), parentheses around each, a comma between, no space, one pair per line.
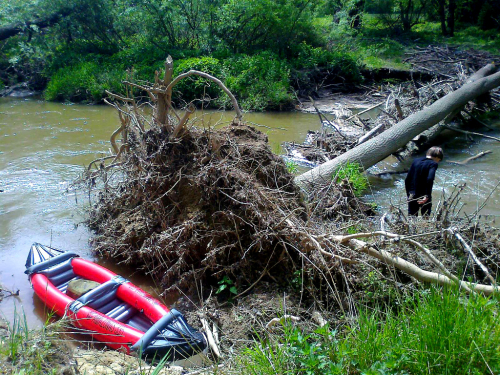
(196,208)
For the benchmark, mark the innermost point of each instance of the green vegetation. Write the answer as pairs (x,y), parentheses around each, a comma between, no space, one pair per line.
(33,352)
(226,284)
(292,166)
(353,173)
(437,332)
(85,81)
(263,50)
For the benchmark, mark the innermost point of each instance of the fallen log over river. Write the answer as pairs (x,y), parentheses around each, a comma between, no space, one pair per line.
(378,148)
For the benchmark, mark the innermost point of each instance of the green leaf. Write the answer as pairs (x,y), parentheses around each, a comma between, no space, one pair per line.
(221,288)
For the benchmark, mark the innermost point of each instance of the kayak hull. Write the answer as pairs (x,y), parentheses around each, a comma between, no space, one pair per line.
(117,313)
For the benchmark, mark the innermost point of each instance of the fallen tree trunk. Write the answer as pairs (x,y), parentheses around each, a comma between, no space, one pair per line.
(378,148)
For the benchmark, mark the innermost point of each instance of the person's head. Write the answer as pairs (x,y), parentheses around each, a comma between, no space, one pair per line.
(435,153)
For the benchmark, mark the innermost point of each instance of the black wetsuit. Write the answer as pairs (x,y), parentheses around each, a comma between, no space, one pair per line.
(419,183)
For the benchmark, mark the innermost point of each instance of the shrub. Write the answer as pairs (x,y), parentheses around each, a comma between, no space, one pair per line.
(291,166)
(260,81)
(341,65)
(354,174)
(197,87)
(85,81)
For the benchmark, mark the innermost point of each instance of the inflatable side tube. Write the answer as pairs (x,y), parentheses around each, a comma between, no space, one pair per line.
(111,332)
(50,295)
(50,262)
(153,309)
(155,330)
(91,271)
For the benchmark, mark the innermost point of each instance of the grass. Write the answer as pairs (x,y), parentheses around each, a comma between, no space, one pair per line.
(292,167)
(466,37)
(436,332)
(353,173)
(32,352)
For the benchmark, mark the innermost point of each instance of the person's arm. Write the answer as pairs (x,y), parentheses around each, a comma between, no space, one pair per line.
(430,181)
(410,181)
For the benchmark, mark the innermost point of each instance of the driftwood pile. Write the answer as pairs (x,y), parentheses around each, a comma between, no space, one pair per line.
(447,61)
(411,119)
(394,103)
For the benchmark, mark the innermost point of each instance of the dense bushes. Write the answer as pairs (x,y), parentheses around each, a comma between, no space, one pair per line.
(260,81)
(261,49)
(342,65)
(85,81)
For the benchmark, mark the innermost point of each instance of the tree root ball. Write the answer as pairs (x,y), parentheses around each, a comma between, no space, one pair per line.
(196,208)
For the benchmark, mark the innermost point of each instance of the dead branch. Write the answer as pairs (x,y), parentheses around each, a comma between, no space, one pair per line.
(410,268)
(372,133)
(239,114)
(469,250)
(183,121)
(210,337)
(364,111)
(464,162)
(396,237)
(471,133)
(281,320)
(399,110)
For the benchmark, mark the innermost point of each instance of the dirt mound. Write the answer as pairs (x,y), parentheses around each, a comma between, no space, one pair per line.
(199,207)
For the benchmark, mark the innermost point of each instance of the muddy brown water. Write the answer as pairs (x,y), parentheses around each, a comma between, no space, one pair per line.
(44,146)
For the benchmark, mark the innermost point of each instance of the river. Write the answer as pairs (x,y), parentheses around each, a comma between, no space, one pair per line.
(44,146)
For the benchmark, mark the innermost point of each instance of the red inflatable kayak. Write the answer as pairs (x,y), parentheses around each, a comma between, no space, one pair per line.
(116,312)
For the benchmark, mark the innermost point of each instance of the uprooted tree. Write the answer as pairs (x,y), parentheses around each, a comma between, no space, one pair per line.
(436,116)
(191,205)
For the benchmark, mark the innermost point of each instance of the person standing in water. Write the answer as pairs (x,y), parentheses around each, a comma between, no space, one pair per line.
(419,181)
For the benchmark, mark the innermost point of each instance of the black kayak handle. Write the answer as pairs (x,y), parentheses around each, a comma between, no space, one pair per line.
(155,330)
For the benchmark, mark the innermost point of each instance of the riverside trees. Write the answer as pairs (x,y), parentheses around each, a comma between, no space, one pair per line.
(84,47)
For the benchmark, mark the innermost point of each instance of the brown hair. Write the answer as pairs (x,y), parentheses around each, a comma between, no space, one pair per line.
(435,152)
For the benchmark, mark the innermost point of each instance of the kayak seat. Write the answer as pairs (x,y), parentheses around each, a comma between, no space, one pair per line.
(103,298)
(64,286)
(139,321)
(60,274)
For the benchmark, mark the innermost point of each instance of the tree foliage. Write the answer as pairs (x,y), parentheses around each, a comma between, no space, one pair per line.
(52,39)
